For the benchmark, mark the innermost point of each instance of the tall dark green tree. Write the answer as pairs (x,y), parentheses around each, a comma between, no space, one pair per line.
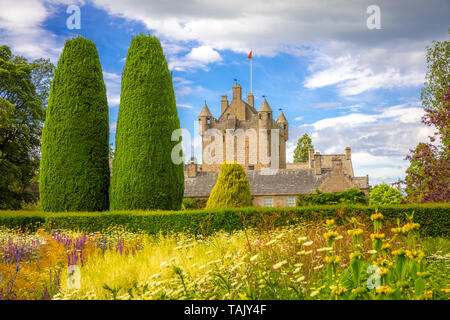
(301,151)
(144,175)
(23,92)
(75,140)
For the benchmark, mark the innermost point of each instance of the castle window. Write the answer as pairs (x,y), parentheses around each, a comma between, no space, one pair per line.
(251,167)
(285,126)
(290,201)
(268,115)
(268,202)
(260,116)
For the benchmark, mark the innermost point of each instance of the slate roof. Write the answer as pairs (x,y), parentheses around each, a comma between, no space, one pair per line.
(282,182)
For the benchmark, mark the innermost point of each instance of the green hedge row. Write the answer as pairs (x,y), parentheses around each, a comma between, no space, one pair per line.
(350,196)
(433,218)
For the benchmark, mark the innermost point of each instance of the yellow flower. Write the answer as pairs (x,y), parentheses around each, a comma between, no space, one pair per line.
(380,236)
(355,232)
(384,271)
(330,235)
(332,259)
(376,216)
(329,222)
(384,289)
(356,255)
(338,291)
(385,246)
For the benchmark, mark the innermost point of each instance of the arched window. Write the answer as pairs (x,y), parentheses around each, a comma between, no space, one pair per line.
(268,115)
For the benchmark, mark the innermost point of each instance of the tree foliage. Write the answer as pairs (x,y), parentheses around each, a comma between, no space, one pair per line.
(350,196)
(232,188)
(385,194)
(144,175)
(23,93)
(301,151)
(75,141)
(428,176)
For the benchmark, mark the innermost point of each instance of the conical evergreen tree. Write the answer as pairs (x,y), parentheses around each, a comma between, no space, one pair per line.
(232,188)
(144,176)
(75,172)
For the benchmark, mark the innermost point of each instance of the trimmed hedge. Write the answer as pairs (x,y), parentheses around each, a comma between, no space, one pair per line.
(144,175)
(350,196)
(232,189)
(75,138)
(433,218)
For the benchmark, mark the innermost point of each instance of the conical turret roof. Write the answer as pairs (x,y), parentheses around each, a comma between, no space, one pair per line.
(265,106)
(281,118)
(205,112)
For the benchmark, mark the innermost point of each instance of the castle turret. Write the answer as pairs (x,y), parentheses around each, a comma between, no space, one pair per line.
(284,125)
(204,119)
(264,115)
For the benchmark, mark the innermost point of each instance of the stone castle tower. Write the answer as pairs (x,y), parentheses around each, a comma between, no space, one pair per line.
(249,136)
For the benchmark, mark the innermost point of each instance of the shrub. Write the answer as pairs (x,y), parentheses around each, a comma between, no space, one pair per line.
(232,188)
(194,203)
(351,196)
(144,176)
(75,140)
(385,194)
(434,219)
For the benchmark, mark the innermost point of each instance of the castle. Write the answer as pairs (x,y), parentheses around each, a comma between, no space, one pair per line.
(258,142)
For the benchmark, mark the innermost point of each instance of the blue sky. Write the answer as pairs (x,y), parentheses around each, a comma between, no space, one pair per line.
(334,78)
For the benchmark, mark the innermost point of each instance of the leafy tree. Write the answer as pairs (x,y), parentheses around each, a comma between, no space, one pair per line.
(385,194)
(428,177)
(75,141)
(144,175)
(23,92)
(232,188)
(301,151)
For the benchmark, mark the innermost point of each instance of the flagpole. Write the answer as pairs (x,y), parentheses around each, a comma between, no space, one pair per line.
(251,72)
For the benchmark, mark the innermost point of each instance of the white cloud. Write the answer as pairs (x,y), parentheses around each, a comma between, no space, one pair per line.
(198,57)
(379,141)
(298,118)
(204,54)
(22,28)
(112,83)
(345,52)
(186,106)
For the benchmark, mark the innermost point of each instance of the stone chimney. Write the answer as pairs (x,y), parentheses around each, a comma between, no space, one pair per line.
(237,92)
(317,163)
(251,99)
(348,153)
(311,157)
(223,103)
(192,168)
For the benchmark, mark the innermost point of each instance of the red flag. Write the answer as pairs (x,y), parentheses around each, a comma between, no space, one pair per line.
(249,55)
